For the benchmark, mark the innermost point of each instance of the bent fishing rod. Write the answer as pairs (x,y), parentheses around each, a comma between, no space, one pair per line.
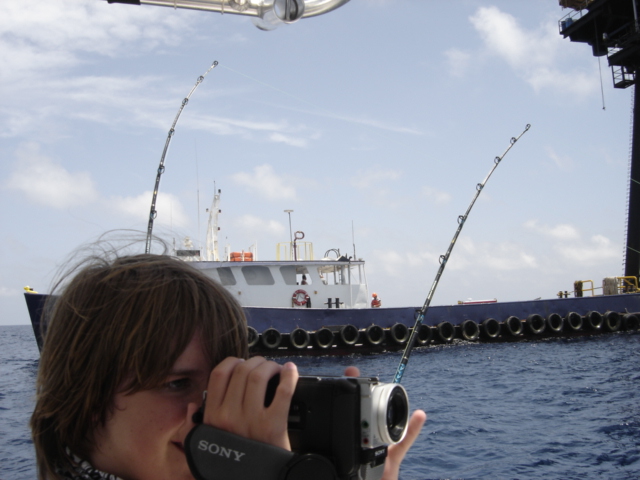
(153,213)
(443,263)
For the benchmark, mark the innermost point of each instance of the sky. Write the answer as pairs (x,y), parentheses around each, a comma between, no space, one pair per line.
(373,123)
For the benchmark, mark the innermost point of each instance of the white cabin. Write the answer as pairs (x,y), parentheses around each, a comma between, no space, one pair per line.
(291,283)
(293,280)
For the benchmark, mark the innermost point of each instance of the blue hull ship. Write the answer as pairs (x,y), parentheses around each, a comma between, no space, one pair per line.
(321,331)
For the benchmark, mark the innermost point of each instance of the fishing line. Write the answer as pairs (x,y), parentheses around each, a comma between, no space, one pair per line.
(153,213)
(601,85)
(279,90)
(443,262)
(321,111)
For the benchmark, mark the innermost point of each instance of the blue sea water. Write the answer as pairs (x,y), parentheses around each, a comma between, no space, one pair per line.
(552,409)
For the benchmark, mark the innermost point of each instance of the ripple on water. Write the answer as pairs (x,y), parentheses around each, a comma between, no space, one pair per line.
(556,409)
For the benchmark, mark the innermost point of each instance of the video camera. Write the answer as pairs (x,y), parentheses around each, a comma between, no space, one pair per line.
(339,428)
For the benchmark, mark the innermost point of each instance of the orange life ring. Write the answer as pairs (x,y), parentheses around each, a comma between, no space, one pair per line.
(300,297)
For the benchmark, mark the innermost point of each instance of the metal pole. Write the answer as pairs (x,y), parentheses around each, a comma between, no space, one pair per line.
(290,232)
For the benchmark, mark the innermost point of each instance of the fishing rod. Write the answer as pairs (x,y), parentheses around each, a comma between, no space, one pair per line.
(153,213)
(443,262)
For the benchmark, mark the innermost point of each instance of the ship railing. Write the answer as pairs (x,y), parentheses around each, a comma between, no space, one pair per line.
(610,286)
(294,251)
(578,6)
(627,284)
(580,287)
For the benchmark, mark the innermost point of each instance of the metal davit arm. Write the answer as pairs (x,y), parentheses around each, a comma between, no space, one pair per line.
(319,7)
(268,13)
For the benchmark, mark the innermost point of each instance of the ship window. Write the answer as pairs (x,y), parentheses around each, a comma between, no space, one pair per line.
(329,275)
(226,276)
(288,274)
(258,275)
(302,276)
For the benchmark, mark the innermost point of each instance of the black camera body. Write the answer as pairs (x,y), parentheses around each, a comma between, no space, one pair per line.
(348,420)
(339,429)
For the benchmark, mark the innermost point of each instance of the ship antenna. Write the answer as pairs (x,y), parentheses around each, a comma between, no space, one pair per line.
(443,262)
(353,239)
(153,213)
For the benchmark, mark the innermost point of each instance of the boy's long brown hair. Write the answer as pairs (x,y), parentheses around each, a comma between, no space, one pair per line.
(120,325)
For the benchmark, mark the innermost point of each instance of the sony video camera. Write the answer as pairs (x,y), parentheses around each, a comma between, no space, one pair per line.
(348,420)
(339,429)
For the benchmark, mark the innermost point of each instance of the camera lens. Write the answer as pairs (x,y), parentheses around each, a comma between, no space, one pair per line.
(397,414)
(391,404)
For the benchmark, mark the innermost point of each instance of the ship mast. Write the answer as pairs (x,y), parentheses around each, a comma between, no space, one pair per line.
(213,228)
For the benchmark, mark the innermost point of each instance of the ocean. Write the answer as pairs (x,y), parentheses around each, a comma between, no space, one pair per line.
(552,409)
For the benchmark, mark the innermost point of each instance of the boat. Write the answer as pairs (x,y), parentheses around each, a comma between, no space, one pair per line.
(297,304)
(322,330)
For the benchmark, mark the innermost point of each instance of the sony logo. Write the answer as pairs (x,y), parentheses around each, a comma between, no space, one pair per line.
(221,451)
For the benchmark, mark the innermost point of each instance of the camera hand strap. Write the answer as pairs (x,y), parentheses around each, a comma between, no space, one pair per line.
(214,454)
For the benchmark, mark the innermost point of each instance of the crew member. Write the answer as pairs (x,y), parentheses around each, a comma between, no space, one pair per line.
(375,301)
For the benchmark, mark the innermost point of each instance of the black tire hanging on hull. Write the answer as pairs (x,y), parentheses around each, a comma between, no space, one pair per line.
(425,334)
(374,335)
(446,331)
(573,321)
(513,325)
(612,321)
(470,330)
(323,338)
(299,338)
(348,335)
(399,333)
(491,328)
(271,338)
(555,322)
(593,320)
(536,324)
(630,321)
(253,337)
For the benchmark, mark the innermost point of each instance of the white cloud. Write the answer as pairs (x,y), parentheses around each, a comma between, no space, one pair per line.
(39,35)
(171,213)
(466,256)
(378,124)
(507,257)
(504,256)
(436,196)
(572,248)
(372,177)
(531,54)
(599,249)
(252,224)
(563,163)
(47,183)
(562,232)
(266,183)
(458,61)
(288,140)
(40,40)
(228,126)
